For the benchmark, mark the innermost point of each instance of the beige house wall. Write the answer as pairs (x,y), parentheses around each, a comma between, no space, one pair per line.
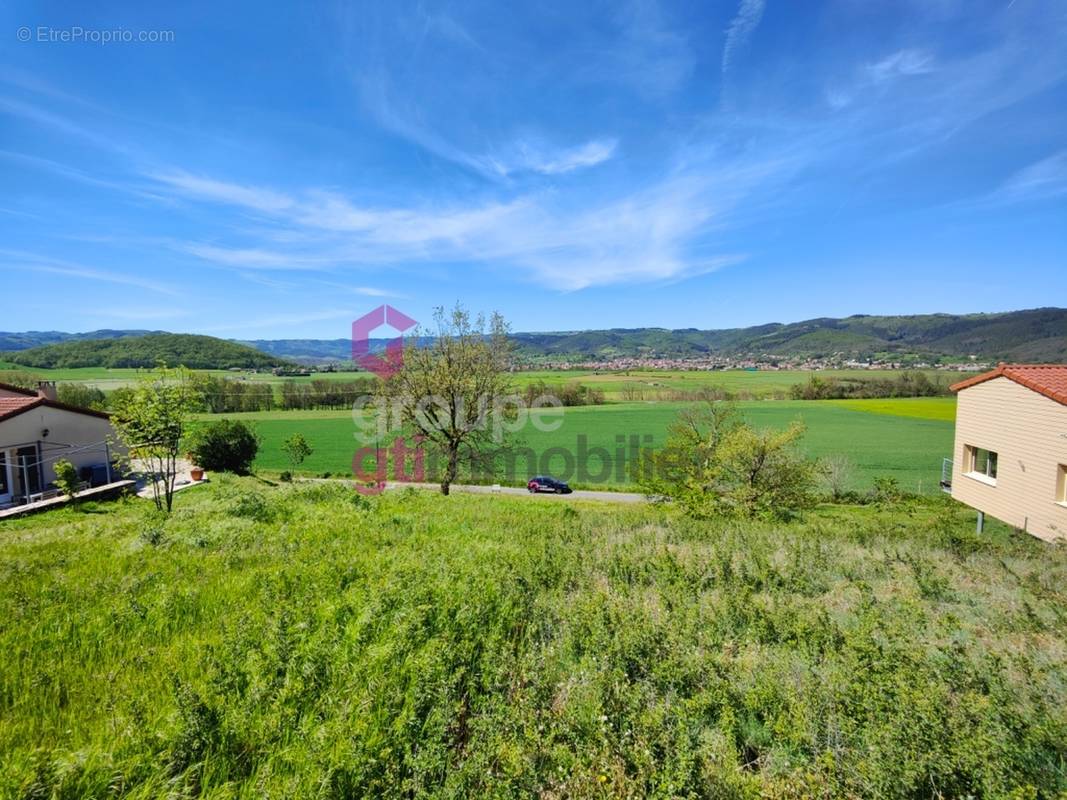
(67,430)
(1028,431)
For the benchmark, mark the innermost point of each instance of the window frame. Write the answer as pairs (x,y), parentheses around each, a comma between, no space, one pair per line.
(972,453)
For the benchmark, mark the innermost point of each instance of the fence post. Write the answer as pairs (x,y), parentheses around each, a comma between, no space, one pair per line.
(107,461)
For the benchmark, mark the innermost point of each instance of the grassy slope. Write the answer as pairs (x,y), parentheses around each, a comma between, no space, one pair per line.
(296,643)
(905,445)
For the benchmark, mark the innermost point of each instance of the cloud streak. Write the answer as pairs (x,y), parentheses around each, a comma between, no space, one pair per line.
(902,63)
(531,158)
(742,26)
(643,236)
(1041,180)
(16,260)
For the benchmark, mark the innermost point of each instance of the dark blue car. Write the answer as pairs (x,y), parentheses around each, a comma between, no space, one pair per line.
(545,483)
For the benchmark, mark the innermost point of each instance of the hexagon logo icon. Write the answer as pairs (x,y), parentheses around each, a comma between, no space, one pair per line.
(388,363)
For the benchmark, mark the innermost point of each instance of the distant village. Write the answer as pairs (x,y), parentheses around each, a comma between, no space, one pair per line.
(713,363)
(753,363)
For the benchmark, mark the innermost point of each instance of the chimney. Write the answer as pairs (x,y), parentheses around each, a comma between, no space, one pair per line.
(46,389)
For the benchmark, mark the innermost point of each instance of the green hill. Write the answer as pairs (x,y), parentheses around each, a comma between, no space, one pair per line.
(195,352)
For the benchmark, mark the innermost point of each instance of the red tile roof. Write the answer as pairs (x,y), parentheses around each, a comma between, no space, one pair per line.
(1047,379)
(13,406)
(10,406)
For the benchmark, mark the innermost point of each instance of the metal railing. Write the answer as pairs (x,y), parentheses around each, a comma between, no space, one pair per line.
(24,465)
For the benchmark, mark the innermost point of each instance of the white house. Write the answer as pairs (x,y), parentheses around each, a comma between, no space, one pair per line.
(36,431)
(1010,456)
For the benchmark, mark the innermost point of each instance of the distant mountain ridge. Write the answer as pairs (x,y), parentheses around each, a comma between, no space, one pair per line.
(28,339)
(1031,335)
(1035,335)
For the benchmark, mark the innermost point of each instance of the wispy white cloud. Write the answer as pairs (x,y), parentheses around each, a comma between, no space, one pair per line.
(74,174)
(253,257)
(643,236)
(362,291)
(1041,180)
(879,76)
(520,156)
(902,63)
(529,157)
(18,260)
(195,186)
(741,28)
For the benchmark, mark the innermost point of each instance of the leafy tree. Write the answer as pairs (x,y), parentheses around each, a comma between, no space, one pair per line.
(81,395)
(764,475)
(296,449)
(446,388)
(687,465)
(119,396)
(715,464)
(67,479)
(151,420)
(226,445)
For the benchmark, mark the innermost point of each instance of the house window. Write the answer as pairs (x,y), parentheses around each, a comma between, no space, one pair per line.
(1061,485)
(982,464)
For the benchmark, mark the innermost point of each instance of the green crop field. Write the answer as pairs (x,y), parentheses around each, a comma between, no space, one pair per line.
(936,408)
(310,642)
(906,445)
(759,383)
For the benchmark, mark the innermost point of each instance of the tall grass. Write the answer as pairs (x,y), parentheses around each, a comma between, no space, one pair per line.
(309,642)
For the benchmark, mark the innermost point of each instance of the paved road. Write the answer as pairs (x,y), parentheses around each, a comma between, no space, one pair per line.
(577,494)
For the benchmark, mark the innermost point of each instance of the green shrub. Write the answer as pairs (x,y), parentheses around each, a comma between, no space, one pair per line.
(226,445)
(251,505)
(67,479)
(715,464)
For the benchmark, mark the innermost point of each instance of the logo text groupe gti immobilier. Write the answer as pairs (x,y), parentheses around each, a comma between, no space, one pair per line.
(386,364)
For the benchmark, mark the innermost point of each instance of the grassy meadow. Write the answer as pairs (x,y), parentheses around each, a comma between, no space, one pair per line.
(658,384)
(305,641)
(903,438)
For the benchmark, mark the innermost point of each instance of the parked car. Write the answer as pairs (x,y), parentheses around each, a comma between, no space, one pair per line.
(546,483)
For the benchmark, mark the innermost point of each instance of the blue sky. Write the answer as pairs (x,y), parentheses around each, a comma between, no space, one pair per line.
(275,171)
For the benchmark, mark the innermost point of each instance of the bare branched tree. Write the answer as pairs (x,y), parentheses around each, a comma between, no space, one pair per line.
(838,471)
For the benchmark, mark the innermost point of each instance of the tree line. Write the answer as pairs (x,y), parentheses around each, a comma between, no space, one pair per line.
(907,384)
(222,395)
